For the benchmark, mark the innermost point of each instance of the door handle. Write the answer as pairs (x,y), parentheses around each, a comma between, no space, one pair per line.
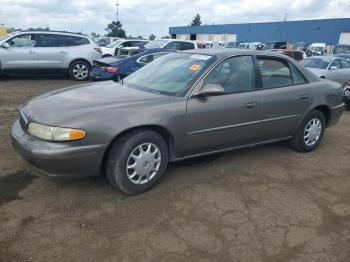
(31,52)
(63,52)
(305,96)
(251,105)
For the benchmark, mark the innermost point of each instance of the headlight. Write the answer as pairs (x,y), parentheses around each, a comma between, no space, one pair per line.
(55,133)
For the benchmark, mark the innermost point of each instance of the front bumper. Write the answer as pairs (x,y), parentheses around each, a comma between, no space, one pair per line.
(57,159)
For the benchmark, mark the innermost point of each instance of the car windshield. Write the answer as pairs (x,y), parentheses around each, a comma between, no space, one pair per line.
(114,44)
(156,44)
(170,74)
(342,50)
(230,44)
(319,63)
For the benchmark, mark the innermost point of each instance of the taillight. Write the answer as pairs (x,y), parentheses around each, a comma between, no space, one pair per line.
(110,69)
(98,49)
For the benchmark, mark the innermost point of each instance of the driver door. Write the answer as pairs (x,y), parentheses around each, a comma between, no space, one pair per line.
(21,54)
(225,121)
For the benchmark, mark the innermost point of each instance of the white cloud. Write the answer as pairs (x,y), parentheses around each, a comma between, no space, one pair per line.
(146,17)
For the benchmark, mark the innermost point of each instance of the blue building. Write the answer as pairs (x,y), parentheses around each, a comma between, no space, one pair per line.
(329,31)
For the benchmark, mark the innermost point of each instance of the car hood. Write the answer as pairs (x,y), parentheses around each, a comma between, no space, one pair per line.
(58,107)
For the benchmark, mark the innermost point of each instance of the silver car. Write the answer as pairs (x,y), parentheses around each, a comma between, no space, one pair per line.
(48,51)
(332,68)
(182,105)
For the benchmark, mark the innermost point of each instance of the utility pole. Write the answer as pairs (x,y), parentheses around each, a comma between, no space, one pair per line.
(117,13)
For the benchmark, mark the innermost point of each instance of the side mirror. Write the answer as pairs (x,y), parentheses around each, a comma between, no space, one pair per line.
(5,45)
(333,68)
(211,90)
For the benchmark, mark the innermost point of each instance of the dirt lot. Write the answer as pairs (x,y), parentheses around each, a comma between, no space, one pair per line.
(264,204)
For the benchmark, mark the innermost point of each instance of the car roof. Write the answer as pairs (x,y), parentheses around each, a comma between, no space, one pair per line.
(49,32)
(225,52)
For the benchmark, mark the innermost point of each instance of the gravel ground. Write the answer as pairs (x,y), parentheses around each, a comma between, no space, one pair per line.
(263,204)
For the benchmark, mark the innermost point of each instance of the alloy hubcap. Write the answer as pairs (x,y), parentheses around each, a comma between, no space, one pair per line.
(143,163)
(312,132)
(80,71)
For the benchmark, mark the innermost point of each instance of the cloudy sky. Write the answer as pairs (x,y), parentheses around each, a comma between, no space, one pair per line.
(154,17)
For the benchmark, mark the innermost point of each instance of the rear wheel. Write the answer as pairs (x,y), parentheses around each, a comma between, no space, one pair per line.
(79,70)
(310,133)
(137,161)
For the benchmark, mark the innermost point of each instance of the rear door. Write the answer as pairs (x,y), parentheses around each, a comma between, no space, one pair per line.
(21,54)
(229,120)
(286,97)
(51,50)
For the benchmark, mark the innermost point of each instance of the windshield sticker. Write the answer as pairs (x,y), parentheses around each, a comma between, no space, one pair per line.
(194,67)
(200,57)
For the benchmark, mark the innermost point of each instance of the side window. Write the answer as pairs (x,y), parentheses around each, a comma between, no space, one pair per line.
(298,56)
(235,75)
(274,72)
(22,41)
(298,77)
(74,40)
(173,45)
(146,59)
(186,46)
(127,44)
(49,40)
(139,43)
(336,63)
(345,63)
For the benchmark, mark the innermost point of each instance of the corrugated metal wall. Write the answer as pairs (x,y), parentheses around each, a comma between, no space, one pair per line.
(324,31)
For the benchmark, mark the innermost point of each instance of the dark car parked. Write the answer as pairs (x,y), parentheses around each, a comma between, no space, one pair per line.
(183,105)
(115,68)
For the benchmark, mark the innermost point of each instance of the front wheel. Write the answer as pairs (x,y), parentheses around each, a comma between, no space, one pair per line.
(137,161)
(79,70)
(310,133)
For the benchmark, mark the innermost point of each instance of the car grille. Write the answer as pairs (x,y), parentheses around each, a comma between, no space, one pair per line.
(23,120)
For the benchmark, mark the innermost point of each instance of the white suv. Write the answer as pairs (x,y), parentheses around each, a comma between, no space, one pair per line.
(113,48)
(48,51)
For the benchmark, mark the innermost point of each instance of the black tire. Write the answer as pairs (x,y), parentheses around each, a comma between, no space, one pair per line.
(118,157)
(80,76)
(298,142)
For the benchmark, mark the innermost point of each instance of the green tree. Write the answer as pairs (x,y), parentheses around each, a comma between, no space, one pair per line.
(165,37)
(115,29)
(196,20)
(152,37)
